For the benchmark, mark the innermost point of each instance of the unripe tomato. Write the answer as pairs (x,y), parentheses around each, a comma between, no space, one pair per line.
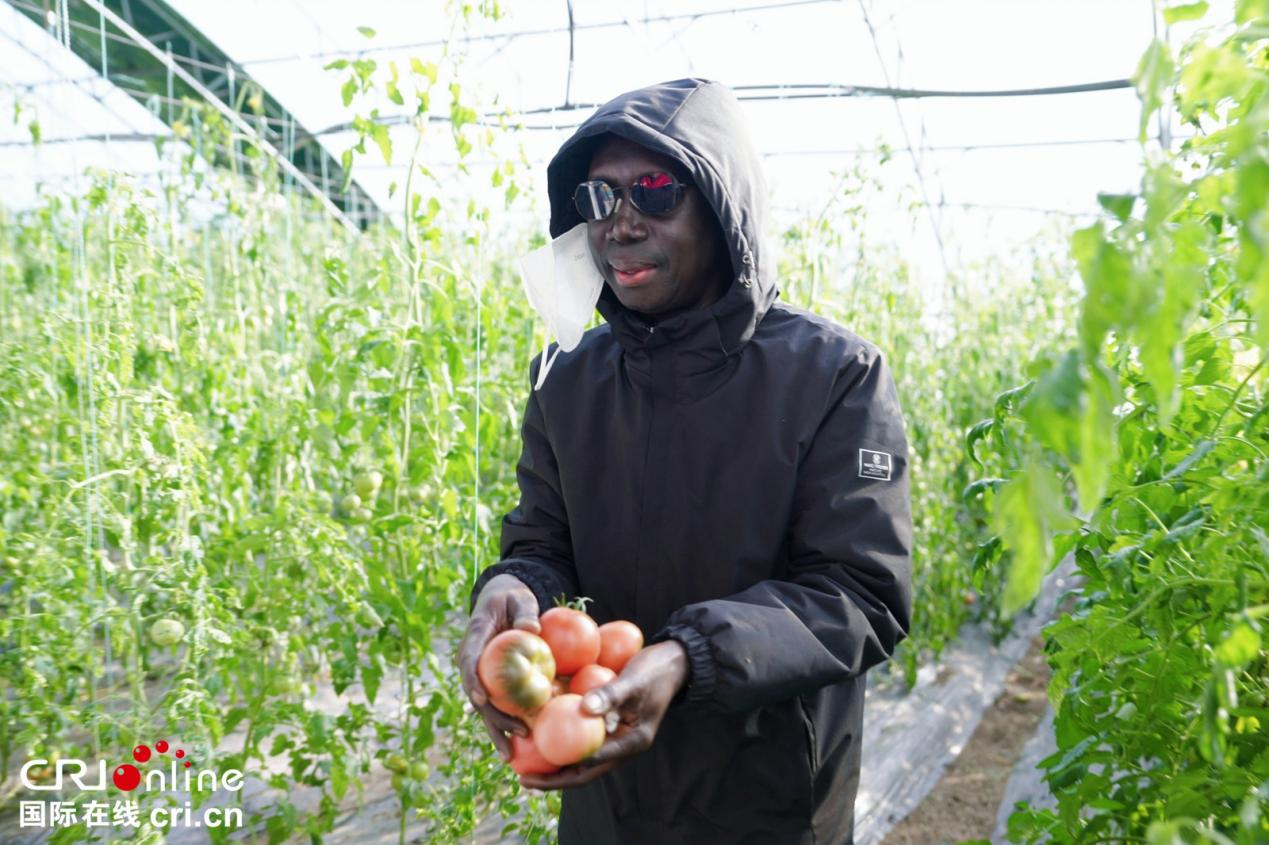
(589,677)
(527,760)
(619,641)
(362,514)
(419,770)
(395,763)
(573,637)
(564,734)
(516,669)
(350,503)
(367,484)
(166,632)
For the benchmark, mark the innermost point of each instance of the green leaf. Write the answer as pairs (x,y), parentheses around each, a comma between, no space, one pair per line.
(1185,12)
(981,485)
(1098,447)
(337,64)
(1119,205)
(1246,11)
(1028,510)
(1114,295)
(394,93)
(372,676)
(1152,79)
(980,430)
(366,31)
(339,775)
(426,69)
(1239,648)
(379,132)
(1200,451)
(349,90)
(346,161)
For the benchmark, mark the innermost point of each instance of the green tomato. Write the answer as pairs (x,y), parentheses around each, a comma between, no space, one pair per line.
(398,782)
(395,762)
(362,514)
(166,632)
(367,483)
(350,503)
(419,770)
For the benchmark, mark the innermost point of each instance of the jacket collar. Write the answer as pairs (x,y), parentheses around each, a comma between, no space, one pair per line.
(704,344)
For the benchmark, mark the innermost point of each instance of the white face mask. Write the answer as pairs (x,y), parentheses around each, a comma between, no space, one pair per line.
(563,284)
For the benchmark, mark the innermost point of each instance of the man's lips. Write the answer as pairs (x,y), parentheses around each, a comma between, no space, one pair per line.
(631,273)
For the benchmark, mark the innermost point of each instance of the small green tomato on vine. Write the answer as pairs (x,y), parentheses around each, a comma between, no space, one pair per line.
(166,632)
(367,483)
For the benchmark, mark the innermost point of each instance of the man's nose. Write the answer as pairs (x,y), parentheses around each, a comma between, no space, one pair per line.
(627,222)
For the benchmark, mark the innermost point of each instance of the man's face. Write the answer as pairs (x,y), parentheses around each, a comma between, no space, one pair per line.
(658,264)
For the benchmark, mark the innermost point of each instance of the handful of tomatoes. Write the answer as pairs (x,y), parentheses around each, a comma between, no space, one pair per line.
(541,680)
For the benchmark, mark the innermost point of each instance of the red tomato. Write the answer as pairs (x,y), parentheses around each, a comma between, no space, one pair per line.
(619,641)
(527,760)
(566,735)
(573,637)
(516,669)
(589,677)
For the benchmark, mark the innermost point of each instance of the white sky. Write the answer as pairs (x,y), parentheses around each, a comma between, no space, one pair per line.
(990,195)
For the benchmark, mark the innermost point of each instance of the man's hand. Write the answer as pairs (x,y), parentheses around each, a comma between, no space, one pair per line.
(638,698)
(504,603)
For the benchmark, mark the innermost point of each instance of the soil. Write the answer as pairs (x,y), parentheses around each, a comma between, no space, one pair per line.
(964,803)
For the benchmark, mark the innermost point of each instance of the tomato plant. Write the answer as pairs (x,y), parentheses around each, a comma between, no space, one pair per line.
(1141,452)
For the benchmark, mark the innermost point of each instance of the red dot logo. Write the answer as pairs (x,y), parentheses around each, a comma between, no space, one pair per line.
(126,777)
(141,753)
(180,752)
(161,746)
(187,764)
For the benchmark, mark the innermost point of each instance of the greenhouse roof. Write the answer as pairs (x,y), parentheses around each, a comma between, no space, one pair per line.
(803,67)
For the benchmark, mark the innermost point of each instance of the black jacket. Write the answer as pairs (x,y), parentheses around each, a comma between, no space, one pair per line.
(734,478)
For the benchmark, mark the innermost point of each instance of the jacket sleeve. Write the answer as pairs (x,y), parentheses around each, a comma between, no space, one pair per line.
(844,602)
(537,546)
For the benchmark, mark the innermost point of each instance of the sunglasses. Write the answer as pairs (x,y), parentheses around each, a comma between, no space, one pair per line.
(652,193)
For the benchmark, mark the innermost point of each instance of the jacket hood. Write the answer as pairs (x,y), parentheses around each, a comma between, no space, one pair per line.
(698,123)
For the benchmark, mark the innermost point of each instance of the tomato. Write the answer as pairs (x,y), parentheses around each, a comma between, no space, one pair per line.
(589,677)
(619,641)
(573,637)
(350,503)
(367,483)
(166,632)
(419,770)
(527,760)
(566,735)
(516,669)
(395,763)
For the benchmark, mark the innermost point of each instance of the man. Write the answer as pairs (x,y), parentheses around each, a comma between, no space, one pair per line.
(726,471)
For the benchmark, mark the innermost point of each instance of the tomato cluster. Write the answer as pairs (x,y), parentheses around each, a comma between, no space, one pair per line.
(541,680)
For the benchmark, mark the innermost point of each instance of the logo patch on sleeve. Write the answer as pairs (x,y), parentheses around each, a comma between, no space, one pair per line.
(875,464)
